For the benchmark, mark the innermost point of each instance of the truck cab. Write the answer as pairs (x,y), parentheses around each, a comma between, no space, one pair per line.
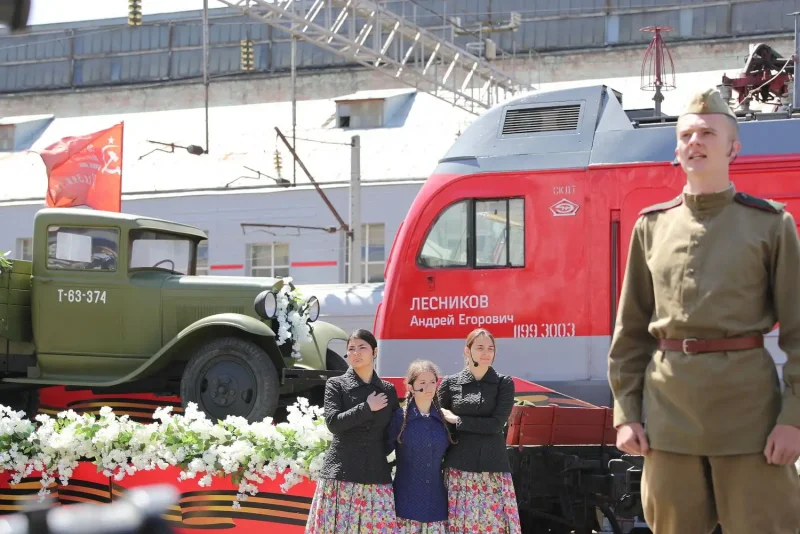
(111,302)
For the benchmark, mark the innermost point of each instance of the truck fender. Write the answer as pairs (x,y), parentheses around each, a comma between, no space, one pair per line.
(322,334)
(221,322)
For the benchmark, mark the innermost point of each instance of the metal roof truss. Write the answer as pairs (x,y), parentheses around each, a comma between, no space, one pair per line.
(424,60)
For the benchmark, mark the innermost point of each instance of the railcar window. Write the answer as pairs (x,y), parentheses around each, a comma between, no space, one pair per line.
(446,243)
(82,249)
(481,234)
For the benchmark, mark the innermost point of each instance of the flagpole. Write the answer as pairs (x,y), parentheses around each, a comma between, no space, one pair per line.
(205,62)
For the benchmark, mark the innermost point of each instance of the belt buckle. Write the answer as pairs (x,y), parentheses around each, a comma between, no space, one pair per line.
(684,343)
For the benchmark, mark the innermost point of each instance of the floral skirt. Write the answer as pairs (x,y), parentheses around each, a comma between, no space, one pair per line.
(407,526)
(340,507)
(481,502)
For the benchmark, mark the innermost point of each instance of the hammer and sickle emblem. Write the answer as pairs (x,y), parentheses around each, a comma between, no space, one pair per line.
(111,160)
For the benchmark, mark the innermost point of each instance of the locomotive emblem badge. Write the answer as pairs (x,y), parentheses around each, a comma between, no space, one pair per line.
(564,208)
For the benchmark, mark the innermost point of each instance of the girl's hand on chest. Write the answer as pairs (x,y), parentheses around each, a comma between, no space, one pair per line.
(449,416)
(377,401)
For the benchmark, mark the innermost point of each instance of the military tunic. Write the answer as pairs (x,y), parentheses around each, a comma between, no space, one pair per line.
(708,266)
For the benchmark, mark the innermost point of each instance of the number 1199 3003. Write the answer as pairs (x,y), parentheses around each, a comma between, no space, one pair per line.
(544,330)
(89,296)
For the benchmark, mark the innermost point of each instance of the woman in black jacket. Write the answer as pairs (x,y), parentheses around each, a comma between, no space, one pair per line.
(355,492)
(478,401)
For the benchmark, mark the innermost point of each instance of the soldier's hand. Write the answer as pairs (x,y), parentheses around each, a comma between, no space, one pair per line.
(632,439)
(783,445)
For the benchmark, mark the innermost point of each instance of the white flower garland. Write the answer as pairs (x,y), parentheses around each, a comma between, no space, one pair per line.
(292,319)
(5,265)
(245,452)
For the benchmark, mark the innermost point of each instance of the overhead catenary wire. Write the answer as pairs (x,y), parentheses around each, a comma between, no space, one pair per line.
(324,142)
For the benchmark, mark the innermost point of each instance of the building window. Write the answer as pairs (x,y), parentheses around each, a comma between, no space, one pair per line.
(73,248)
(481,234)
(268,259)
(202,258)
(25,248)
(7,138)
(373,254)
(360,114)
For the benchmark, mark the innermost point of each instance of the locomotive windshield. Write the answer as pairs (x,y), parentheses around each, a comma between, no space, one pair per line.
(446,244)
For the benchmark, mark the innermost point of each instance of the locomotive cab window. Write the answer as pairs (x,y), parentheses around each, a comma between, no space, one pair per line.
(478,234)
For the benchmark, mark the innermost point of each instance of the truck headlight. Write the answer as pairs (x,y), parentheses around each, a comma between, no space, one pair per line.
(266,304)
(312,306)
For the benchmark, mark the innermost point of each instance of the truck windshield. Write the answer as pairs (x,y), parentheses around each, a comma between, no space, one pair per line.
(160,250)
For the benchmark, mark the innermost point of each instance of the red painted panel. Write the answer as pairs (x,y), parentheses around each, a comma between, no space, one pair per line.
(210,508)
(536,300)
(565,288)
(556,425)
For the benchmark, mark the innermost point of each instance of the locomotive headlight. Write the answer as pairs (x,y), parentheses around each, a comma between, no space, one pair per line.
(266,304)
(312,306)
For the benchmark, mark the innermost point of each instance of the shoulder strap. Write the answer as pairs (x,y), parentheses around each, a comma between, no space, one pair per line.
(759,203)
(664,206)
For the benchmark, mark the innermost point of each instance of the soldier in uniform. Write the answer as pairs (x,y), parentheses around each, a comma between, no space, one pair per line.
(708,274)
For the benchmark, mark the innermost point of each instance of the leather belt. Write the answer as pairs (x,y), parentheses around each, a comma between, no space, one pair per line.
(697,346)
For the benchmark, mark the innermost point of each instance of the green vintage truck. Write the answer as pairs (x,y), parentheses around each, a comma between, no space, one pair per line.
(111,303)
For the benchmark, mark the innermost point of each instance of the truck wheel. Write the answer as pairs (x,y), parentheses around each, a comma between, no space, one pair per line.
(334,362)
(231,376)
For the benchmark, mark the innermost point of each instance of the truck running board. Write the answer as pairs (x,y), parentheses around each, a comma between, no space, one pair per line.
(103,381)
(307,376)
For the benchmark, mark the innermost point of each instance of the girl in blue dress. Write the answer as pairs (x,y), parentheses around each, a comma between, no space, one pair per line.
(420,438)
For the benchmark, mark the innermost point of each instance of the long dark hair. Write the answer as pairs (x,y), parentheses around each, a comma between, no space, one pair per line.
(416,368)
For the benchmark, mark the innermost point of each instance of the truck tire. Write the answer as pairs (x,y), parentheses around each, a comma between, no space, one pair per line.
(334,362)
(231,376)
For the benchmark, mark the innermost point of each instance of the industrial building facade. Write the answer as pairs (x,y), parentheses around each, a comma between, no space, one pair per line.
(263,215)
(106,53)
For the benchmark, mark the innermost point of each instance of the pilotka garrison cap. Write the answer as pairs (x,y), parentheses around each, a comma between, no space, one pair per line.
(708,102)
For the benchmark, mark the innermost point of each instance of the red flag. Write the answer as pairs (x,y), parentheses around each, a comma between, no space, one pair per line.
(86,170)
